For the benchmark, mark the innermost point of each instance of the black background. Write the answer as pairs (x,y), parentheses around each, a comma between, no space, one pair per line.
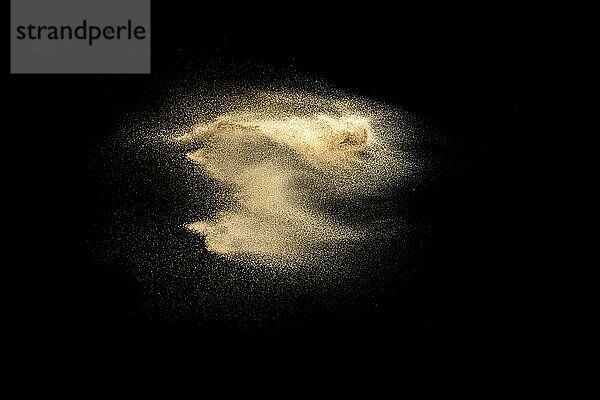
(474,73)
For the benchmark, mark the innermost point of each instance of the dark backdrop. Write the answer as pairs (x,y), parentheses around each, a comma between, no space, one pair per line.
(474,73)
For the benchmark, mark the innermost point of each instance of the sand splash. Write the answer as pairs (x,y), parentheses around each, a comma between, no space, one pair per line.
(292,165)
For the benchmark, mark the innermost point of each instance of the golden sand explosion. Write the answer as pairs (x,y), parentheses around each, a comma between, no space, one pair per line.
(281,162)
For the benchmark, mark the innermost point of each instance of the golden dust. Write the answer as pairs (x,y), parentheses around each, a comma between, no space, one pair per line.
(281,157)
